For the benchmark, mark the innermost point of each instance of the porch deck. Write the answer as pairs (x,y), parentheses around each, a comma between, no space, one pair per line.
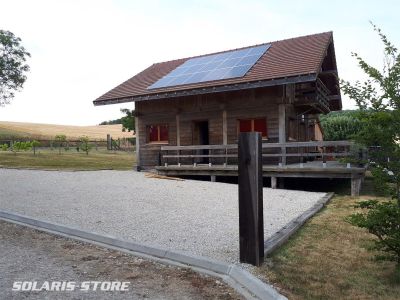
(325,165)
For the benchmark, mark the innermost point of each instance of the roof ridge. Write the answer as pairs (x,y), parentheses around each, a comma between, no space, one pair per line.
(240,48)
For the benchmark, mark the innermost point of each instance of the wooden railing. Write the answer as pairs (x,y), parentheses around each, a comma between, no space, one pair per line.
(227,154)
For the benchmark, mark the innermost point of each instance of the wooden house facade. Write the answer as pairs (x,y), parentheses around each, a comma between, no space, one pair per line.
(281,94)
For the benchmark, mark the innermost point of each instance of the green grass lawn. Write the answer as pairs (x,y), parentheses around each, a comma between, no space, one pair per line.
(329,259)
(71,160)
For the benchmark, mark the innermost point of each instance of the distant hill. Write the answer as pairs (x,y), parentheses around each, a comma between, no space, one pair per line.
(10,130)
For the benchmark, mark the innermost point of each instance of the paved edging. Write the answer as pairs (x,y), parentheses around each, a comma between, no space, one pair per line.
(241,280)
(289,229)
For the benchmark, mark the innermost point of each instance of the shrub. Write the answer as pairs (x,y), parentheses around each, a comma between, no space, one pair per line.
(21,146)
(382,220)
(84,144)
(339,126)
(60,141)
(34,145)
(4,147)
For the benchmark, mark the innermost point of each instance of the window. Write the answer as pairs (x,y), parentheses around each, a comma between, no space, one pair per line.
(157,133)
(258,125)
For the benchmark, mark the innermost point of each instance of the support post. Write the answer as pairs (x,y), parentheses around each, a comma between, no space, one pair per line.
(251,223)
(178,130)
(224,128)
(355,186)
(213,178)
(274,182)
(137,129)
(282,130)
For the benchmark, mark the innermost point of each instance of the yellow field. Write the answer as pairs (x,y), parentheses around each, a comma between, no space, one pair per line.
(45,131)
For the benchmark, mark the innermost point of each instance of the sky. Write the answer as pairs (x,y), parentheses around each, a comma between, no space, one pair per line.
(82,49)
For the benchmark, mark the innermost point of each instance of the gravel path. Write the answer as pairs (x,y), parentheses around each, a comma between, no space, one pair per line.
(196,216)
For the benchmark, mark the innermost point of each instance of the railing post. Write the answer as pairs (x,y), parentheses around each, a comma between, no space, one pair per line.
(301,157)
(226,156)
(251,225)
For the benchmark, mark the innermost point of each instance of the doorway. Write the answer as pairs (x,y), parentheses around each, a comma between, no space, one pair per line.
(201,137)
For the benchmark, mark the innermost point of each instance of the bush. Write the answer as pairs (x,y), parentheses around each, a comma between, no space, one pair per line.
(60,140)
(4,147)
(382,220)
(339,126)
(34,145)
(21,146)
(84,144)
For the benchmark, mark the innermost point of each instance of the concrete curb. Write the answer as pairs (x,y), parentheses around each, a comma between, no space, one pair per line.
(289,229)
(242,281)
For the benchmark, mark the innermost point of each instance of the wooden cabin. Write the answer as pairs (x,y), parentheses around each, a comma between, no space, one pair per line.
(195,107)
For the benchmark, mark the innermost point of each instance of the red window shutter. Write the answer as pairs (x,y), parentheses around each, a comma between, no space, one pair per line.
(260,125)
(244,125)
(153,133)
(164,133)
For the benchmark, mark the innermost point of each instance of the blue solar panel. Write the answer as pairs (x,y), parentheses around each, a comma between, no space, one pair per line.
(231,64)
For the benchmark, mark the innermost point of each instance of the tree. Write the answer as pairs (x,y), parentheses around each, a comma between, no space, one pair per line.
(84,145)
(128,121)
(340,125)
(35,144)
(60,140)
(12,66)
(378,99)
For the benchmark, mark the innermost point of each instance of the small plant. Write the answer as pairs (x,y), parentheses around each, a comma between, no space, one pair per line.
(60,140)
(34,145)
(21,146)
(84,144)
(4,147)
(382,220)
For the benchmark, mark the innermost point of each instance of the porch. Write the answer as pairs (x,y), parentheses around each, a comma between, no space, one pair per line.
(314,159)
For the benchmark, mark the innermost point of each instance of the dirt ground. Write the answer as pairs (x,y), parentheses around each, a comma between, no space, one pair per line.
(30,255)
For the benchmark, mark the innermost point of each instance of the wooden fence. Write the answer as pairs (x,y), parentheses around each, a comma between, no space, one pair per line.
(123,144)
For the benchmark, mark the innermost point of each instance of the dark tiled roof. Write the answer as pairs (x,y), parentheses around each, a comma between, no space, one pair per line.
(286,58)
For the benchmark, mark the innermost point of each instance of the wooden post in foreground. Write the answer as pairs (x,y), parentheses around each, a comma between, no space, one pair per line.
(251,223)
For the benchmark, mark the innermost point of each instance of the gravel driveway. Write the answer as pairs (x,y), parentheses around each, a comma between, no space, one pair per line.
(31,255)
(196,216)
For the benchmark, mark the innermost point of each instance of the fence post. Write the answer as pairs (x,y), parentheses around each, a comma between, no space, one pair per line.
(251,223)
(108,142)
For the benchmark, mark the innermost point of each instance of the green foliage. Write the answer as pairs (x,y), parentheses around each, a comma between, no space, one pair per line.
(382,220)
(112,122)
(84,144)
(21,146)
(35,144)
(379,101)
(4,147)
(60,140)
(12,66)
(127,121)
(338,126)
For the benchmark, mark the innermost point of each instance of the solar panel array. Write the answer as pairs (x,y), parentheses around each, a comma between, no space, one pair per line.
(231,64)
